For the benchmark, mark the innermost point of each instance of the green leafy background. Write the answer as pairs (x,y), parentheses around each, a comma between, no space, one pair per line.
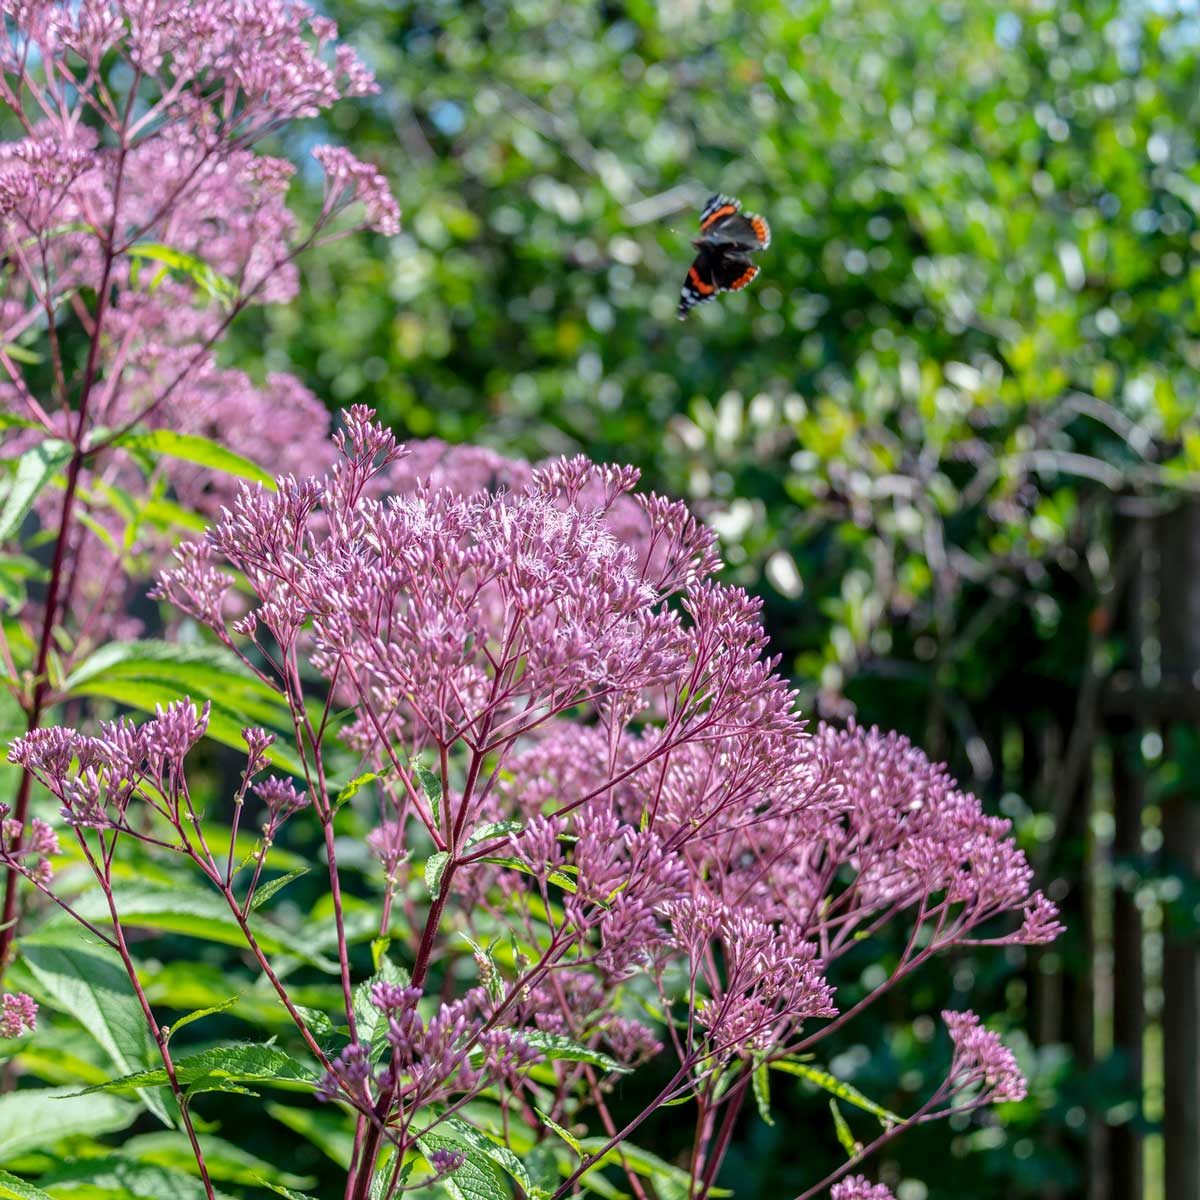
(974,332)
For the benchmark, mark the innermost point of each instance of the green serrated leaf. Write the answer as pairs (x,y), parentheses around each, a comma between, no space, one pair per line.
(264,893)
(494,829)
(431,785)
(12,1188)
(435,868)
(35,468)
(219,1068)
(472,1141)
(479,1178)
(382,1181)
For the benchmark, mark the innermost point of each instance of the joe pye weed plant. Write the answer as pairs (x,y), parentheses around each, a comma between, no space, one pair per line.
(520,805)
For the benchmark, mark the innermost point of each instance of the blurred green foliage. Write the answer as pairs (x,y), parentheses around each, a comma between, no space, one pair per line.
(975,329)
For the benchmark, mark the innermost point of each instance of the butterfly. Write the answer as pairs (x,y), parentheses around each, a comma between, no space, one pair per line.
(727,236)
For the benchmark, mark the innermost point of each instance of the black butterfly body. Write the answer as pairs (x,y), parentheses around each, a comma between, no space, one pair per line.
(727,237)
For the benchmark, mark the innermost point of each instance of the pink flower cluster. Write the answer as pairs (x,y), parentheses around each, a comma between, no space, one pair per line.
(858,1187)
(18,1014)
(639,747)
(30,847)
(96,778)
(982,1060)
(615,764)
(347,179)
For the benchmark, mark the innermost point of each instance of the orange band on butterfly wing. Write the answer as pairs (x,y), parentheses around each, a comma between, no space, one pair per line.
(724,211)
(762,230)
(698,283)
(744,278)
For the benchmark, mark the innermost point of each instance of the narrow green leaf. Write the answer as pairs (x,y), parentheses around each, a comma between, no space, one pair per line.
(35,469)
(379,949)
(644,1163)
(88,981)
(559,1048)
(762,1092)
(359,781)
(836,1087)
(200,1013)
(22,354)
(560,878)
(167,514)
(280,1190)
(435,868)
(191,447)
(566,1135)
(264,893)
(844,1134)
(39,1118)
(205,277)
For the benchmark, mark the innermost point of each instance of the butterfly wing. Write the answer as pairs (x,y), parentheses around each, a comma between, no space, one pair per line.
(733,272)
(700,283)
(722,223)
(715,270)
(717,208)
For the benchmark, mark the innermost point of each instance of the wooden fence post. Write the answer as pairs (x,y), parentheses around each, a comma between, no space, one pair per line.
(1126,1157)
(1178,535)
